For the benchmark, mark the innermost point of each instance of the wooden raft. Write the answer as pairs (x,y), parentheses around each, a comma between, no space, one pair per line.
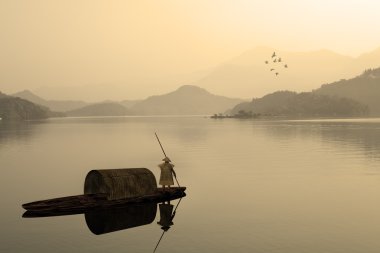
(82,203)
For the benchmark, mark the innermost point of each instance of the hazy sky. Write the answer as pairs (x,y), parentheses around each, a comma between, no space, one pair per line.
(149,47)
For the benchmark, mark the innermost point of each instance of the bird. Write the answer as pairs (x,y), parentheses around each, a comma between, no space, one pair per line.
(276,73)
(279,59)
(275,60)
(266,62)
(274,54)
(271,69)
(286,65)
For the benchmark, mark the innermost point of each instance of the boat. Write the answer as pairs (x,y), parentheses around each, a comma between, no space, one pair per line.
(82,203)
(107,189)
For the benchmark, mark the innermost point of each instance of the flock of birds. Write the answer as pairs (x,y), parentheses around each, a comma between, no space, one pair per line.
(276,60)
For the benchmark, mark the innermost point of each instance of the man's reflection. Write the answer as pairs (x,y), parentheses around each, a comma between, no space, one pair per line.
(166,218)
(166,215)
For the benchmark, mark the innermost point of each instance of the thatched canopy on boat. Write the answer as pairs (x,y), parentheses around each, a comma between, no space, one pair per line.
(120,183)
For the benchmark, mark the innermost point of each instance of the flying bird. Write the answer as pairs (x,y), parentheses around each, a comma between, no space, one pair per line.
(275,59)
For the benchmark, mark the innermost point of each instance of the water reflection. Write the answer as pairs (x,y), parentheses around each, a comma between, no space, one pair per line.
(364,136)
(102,221)
(111,220)
(166,214)
(14,130)
(166,218)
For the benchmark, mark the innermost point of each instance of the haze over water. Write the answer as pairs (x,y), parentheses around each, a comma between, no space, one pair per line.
(253,186)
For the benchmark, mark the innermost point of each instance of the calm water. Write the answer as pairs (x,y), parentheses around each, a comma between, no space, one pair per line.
(253,186)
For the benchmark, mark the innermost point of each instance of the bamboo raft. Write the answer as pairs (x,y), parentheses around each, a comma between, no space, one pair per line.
(107,189)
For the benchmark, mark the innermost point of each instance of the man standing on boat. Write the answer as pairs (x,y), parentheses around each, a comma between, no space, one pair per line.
(167,172)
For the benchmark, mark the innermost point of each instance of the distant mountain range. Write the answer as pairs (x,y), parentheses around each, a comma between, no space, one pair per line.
(101,109)
(54,105)
(248,73)
(243,76)
(358,96)
(15,108)
(305,104)
(129,103)
(186,100)
(364,88)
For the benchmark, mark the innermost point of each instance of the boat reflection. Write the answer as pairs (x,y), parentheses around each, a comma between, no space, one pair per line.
(107,220)
(110,220)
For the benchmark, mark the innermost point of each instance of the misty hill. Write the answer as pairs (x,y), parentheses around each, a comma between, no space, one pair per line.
(369,60)
(100,109)
(364,88)
(248,73)
(55,105)
(242,75)
(2,95)
(129,103)
(305,104)
(14,108)
(186,100)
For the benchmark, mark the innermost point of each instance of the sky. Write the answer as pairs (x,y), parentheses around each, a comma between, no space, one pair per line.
(133,49)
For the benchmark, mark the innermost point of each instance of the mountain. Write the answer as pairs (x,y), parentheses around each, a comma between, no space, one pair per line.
(364,88)
(273,103)
(369,60)
(305,104)
(28,95)
(100,109)
(186,100)
(14,108)
(244,74)
(129,103)
(248,73)
(55,105)
(2,95)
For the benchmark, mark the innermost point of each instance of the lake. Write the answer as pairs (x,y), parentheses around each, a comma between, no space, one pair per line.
(252,185)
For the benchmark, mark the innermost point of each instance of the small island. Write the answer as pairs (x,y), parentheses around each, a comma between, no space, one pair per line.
(240,115)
